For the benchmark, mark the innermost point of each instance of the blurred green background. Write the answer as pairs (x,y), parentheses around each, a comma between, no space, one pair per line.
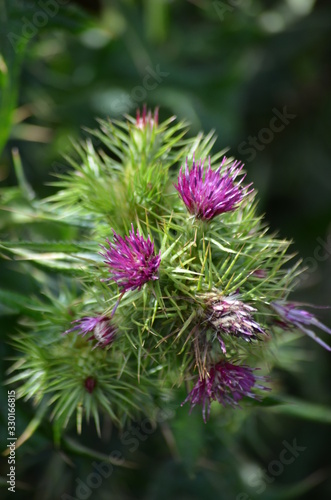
(235,66)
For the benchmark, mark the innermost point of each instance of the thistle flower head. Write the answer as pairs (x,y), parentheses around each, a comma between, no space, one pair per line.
(131,261)
(146,118)
(206,192)
(228,315)
(89,384)
(291,314)
(227,384)
(103,330)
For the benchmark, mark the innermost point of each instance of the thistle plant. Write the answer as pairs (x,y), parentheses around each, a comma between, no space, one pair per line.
(169,282)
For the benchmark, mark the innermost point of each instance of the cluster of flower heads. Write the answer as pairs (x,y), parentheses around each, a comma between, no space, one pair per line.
(132,262)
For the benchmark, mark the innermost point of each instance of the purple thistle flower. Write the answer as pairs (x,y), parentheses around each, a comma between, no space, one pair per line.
(227,384)
(207,193)
(291,314)
(89,384)
(131,261)
(146,118)
(232,317)
(103,331)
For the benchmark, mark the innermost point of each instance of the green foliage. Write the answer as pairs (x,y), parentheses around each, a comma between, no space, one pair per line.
(18,28)
(10,63)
